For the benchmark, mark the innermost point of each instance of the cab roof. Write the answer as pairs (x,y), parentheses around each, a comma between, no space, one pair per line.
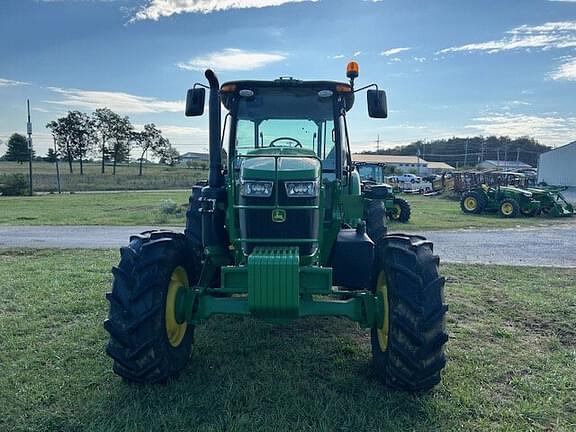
(231,88)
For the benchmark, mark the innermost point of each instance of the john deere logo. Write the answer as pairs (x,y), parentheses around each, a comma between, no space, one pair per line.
(279,215)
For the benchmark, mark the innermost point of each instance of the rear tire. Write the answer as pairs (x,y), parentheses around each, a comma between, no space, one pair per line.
(529,212)
(472,203)
(408,347)
(401,211)
(146,343)
(509,208)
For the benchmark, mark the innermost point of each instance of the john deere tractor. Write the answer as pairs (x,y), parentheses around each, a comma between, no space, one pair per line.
(509,201)
(279,232)
(374,186)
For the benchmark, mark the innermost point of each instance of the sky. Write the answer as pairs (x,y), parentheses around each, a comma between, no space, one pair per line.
(450,67)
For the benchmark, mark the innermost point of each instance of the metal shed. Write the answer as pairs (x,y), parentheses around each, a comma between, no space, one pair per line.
(558,166)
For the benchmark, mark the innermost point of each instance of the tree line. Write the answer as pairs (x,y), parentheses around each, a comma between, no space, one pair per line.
(472,150)
(104,134)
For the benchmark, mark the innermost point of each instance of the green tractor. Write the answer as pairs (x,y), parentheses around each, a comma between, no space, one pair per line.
(509,201)
(280,232)
(375,187)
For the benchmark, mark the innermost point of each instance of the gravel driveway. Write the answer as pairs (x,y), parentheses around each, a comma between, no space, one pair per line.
(550,246)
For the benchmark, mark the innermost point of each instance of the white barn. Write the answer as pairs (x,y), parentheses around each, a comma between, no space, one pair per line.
(558,166)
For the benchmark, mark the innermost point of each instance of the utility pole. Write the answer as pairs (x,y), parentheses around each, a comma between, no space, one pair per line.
(466,153)
(498,153)
(29,129)
(506,155)
(378,144)
(518,154)
(57,167)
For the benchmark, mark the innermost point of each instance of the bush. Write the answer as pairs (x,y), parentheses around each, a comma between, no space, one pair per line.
(13,185)
(168,207)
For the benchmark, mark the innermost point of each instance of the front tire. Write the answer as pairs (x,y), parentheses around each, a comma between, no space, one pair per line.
(509,208)
(146,343)
(408,346)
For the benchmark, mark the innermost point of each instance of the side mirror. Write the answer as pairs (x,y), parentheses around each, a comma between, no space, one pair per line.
(377,106)
(195,102)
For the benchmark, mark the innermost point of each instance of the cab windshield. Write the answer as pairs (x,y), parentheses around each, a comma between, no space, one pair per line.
(280,118)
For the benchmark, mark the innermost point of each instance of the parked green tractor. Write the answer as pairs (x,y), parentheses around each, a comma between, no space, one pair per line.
(509,201)
(280,232)
(375,187)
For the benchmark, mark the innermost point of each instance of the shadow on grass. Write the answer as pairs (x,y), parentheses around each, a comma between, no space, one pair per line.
(313,374)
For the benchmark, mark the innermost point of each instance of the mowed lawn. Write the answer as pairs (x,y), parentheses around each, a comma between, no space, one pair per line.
(134,208)
(122,208)
(511,360)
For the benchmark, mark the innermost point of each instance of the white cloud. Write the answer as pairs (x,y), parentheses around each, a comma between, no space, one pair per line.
(547,36)
(357,53)
(566,71)
(10,83)
(116,101)
(336,57)
(563,1)
(548,129)
(393,51)
(156,9)
(232,59)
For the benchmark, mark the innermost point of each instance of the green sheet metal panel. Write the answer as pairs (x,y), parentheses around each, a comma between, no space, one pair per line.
(274,282)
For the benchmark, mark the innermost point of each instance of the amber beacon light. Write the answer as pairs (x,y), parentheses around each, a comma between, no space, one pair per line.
(352,70)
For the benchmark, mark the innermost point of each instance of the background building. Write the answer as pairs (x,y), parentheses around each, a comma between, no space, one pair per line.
(558,166)
(405,164)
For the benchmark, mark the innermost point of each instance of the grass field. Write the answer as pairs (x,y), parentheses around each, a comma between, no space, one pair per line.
(133,208)
(511,360)
(126,178)
(124,208)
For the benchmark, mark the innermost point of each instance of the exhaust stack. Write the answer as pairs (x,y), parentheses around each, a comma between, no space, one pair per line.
(215,177)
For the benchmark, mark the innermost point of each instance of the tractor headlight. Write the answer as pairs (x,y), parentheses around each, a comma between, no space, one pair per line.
(302,189)
(256,189)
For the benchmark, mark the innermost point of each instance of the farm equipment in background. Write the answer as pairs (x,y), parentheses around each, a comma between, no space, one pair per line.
(483,190)
(509,201)
(552,202)
(279,233)
(374,187)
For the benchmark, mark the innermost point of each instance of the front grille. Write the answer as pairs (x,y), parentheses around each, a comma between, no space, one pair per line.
(257,223)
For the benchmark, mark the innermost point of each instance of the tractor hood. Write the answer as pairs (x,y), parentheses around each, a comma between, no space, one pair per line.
(280,167)
(513,189)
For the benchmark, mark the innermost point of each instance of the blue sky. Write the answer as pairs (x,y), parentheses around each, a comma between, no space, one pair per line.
(450,67)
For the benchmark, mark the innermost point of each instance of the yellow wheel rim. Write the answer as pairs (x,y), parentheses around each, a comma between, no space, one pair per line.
(175,331)
(507,208)
(397,211)
(470,203)
(382,290)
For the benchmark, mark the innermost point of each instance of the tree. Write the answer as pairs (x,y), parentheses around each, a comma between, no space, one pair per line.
(74,134)
(150,139)
(121,129)
(62,136)
(103,119)
(51,156)
(169,155)
(17,149)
